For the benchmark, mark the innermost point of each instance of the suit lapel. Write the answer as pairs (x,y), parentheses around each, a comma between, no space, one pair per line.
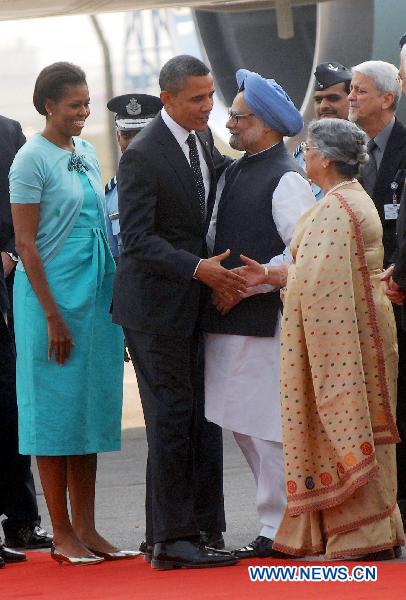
(178,161)
(391,160)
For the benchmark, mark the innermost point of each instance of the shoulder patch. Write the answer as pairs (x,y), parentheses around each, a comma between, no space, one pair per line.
(298,150)
(110,185)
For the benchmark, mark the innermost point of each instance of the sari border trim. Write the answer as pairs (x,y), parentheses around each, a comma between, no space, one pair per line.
(358,523)
(331,502)
(358,553)
(373,318)
(319,549)
(300,552)
(344,479)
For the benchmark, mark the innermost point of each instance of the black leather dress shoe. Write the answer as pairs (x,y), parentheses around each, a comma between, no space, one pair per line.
(146,550)
(2,563)
(261,547)
(184,553)
(29,538)
(212,539)
(11,556)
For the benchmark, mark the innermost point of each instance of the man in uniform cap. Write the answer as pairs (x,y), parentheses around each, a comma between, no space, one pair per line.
(264,195)
(133,113)
(331,89)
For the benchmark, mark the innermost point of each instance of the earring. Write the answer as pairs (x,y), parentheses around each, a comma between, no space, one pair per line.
(50,114)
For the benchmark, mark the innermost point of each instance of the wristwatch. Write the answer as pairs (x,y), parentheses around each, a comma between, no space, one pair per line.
(13,257)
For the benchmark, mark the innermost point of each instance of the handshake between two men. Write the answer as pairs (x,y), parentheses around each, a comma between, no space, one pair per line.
(230,286)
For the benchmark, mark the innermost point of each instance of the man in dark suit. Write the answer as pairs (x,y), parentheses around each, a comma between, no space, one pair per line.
(17,490)
(375,92)
(395,280)
(167,180)
(374,96)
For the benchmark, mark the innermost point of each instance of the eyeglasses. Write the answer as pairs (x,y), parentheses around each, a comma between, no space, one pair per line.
(234,116)
(400,77)
(306,146)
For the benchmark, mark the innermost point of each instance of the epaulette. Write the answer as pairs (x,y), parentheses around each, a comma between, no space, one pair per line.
(110,185)
(298,150)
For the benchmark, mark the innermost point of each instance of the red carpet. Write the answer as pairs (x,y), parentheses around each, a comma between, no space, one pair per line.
(40,578)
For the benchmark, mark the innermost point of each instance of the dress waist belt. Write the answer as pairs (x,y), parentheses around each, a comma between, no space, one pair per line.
(85,232)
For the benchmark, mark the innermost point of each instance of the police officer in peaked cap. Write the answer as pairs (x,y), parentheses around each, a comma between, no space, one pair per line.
(133,113)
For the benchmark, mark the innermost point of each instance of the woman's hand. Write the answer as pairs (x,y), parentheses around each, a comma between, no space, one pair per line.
(254,273)
(60,341)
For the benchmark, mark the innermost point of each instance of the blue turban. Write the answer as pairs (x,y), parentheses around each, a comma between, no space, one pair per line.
(269,102)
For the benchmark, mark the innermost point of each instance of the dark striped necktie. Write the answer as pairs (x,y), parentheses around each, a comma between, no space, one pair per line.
(370,171)
(197,173)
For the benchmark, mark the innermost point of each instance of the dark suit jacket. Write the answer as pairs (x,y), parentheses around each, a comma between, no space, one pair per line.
(399,272)
(393,160)
(162,232)
(11,140)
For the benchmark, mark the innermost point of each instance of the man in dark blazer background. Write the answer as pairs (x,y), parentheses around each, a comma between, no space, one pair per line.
(167,181)
(374,96)
(17,490)
(395,280)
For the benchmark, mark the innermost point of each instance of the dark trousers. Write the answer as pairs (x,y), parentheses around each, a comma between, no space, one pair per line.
(17,490)
(184,480)
(401,411)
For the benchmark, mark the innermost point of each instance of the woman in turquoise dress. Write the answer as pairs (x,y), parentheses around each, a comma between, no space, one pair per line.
(70,354)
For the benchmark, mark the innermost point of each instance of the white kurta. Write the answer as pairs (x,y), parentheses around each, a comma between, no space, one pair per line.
(242,372)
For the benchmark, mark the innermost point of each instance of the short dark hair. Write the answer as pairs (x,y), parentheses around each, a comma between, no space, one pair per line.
(52,81)
(174,72)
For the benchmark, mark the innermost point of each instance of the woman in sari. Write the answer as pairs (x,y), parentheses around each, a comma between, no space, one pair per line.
(338,367)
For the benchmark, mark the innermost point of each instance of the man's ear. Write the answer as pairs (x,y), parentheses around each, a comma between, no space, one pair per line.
(165,97)
(388,99)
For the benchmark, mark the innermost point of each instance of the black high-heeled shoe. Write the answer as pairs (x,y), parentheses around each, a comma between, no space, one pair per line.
(75,560)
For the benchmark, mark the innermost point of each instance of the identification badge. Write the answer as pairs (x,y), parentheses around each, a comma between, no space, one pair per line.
(391,211)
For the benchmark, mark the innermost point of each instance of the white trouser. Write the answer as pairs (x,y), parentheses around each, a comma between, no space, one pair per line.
(266,461)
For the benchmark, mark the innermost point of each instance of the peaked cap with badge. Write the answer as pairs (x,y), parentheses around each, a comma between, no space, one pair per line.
(134,111)
(269,102)
(330,73)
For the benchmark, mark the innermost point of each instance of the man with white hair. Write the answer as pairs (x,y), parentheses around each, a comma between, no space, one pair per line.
(395,279)
(374,96)
(375,92)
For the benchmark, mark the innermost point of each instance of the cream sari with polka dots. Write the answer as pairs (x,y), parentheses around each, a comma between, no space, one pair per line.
(338,385)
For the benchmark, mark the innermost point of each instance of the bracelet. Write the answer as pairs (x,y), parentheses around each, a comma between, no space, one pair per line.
(266,273)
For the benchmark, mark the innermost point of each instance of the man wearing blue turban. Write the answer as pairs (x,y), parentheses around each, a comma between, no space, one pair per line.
(264,195)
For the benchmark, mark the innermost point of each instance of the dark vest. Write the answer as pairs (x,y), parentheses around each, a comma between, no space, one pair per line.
(245,225)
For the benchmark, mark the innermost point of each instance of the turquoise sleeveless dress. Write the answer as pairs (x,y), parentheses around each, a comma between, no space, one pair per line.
(74,408)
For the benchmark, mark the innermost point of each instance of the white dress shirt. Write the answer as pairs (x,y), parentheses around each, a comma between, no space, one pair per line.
(180,134)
